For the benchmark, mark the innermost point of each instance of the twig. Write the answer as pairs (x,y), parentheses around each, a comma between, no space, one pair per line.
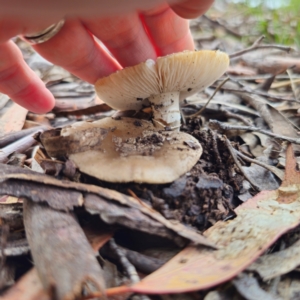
(214,124)
(232,115)
(215,148)
(232,152)
(210,98)
(128,267)
(20,145)
(14,136)
(262,77)
(256,45)
(293,83)
(218,24)
(277,172)
(259,93)
(142,262)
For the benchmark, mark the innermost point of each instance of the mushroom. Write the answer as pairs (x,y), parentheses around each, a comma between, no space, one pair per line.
(162,84)
(133,151)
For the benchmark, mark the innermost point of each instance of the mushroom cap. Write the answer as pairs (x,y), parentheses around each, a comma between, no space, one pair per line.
(134,151)
(187,72)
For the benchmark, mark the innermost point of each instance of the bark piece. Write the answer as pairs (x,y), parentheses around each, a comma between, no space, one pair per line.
(64,259)
(58,198)
(16,181)
(29,287)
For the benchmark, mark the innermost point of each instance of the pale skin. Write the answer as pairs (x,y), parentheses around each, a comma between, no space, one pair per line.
(133,32)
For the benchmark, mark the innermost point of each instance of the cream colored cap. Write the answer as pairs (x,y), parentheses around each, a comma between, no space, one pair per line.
(134,151)
(186,72)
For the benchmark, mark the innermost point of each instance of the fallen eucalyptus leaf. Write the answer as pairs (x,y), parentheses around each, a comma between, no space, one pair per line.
(258,224)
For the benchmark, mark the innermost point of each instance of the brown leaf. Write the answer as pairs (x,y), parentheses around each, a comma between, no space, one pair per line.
(13,119)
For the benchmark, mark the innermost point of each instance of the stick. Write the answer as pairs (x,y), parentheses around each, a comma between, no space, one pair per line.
(214,124)
(256,45)
(231,150)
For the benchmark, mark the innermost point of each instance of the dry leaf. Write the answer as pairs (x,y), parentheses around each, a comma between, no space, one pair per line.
(263,178)
(13,119)
(278,263)
(289,288)
(249,288)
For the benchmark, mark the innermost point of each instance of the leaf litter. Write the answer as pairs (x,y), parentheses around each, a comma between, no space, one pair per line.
(151,223)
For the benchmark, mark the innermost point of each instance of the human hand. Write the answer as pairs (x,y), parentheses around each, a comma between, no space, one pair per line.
(153,30)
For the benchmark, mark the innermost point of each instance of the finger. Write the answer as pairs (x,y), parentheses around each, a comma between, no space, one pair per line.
(125,37)
(20,83)
(48,10)
(191,9)
(76,50)
(8,30)
(169,32)
(10,27)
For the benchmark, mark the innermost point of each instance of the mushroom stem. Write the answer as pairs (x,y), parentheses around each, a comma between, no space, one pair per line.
(165,110)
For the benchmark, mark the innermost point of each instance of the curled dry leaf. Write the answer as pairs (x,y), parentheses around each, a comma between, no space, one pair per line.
(263,178)
(259,223)
(278,263)
(249,288)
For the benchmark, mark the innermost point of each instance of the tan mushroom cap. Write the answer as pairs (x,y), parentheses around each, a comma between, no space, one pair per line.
(134,151)
(186,72)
